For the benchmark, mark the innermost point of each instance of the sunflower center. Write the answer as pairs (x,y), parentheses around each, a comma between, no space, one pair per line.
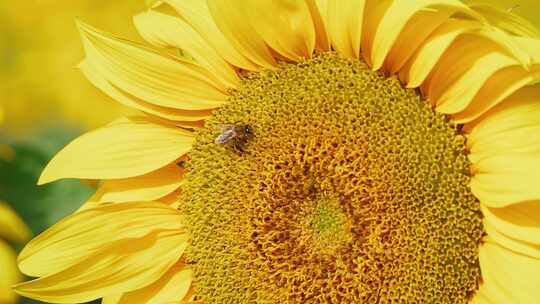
(326,224)
(327,221)
(348,189)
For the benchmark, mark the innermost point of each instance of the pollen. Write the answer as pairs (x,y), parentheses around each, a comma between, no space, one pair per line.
(351,189)
(325,224)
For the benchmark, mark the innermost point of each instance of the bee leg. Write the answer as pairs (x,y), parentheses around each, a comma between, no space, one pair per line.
(234,146)
(239,147)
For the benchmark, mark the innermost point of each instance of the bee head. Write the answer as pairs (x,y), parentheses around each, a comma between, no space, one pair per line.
(248,130)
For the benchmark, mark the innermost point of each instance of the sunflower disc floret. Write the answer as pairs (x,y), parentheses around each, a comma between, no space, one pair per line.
(351,190)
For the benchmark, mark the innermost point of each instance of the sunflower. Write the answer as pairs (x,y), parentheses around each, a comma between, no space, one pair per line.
(305,152)
(12,228)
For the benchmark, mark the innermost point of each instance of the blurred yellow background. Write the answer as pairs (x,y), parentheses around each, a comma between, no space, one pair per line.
(39,49)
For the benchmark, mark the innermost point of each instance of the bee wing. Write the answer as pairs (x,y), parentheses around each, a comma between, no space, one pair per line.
(224,127)
(225,136)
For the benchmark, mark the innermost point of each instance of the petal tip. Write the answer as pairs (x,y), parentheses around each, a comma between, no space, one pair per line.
(46,177)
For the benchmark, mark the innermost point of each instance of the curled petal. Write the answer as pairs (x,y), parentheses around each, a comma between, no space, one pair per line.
(198,15)
(170,31)
(94,76)
(163,80)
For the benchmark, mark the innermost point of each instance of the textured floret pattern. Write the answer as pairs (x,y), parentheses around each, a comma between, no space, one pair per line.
(351,190)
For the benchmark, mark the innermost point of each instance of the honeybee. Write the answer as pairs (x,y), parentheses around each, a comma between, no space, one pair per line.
(235,134)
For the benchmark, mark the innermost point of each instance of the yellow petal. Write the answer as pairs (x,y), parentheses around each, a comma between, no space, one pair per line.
(173,199)
(345,21)
(431,51)
(413,36)
(95,77)
(121,266)
(169,31)
(529,48)
(519,221)
(284,25)
(511,23)
(79,235)
(512,126)
(396,17)
(513,45)
(124,149)
(9,274)
(92,202)
(170,288)
(148,187)
(507,179)
(197,14)
(480,297)
(231,20)
(499,87)
(466,62)
(507,81)
(163,80)
(525,248)
(377,10)
(458,59)
(319,13)
(111,299)
(11,226)
(489,294)
(508,277)
(460,93)
(190,297)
